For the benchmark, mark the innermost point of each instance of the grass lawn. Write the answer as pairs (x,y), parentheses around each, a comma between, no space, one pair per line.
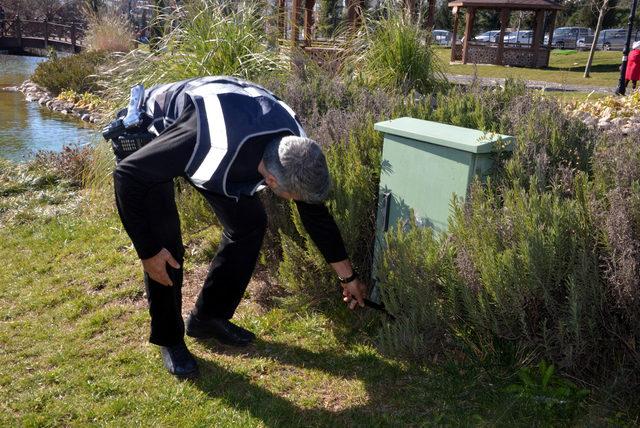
(565,66)
(74,351)
(568,97)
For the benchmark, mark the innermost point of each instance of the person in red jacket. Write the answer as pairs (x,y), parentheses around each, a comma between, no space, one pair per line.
(633,66)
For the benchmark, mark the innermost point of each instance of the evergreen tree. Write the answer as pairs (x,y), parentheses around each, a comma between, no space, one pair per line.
(443,18)
(329,17)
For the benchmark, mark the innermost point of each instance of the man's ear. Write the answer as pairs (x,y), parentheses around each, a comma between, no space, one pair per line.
(271,180)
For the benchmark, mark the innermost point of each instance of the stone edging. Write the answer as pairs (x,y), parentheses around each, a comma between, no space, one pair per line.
(604,122)
(36,93)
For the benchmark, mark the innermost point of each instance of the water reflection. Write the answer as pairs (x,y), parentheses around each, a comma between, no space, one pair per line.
(27,127)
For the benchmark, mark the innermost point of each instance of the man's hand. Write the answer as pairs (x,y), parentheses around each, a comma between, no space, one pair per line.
(354,293)
(156,267)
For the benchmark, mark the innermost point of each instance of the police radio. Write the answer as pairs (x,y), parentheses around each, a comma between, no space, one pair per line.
(128,132)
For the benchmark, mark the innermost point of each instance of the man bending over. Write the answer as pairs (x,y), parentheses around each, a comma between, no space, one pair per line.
(229,138)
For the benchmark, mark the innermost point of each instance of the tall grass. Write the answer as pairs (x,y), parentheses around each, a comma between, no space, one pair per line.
(205,37)
(109,31)
(390,52)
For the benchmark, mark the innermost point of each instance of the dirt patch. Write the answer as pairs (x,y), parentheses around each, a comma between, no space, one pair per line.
(261,291)
(191,285)
(264,289)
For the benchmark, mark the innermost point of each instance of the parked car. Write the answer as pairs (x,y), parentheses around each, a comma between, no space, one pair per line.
(441,37)
(568,37)
(611,39)
(488,36)
(523,37)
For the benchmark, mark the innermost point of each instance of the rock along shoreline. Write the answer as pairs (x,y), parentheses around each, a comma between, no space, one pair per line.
(36,93)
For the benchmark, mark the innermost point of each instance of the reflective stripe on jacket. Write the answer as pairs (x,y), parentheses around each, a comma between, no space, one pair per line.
(231,112)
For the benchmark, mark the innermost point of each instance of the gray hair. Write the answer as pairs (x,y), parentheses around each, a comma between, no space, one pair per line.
(299,166)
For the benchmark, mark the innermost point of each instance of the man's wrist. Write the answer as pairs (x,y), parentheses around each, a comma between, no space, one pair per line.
(348,279)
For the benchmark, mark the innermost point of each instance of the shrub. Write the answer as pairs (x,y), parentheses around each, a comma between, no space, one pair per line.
(542,260)
(353,166)
(75,72)
(86,100)
(329,18)
(195,212)
(340,116)
(533,274)
(550,144)
(616,207)
(412,274)
(71,163)
(478,108)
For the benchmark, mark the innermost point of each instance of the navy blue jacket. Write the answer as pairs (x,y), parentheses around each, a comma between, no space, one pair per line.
(231,113)
(175,153)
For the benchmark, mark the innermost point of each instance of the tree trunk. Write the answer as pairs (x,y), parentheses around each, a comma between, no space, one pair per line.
(603,10)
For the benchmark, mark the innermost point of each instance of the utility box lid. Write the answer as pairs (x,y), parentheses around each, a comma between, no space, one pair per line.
(456,137)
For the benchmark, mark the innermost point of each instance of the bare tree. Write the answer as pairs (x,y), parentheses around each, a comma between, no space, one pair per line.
(603,10)
(50,9)
(25,9)
(94,6)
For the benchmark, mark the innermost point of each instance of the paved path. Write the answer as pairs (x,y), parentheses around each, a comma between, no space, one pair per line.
(533,84)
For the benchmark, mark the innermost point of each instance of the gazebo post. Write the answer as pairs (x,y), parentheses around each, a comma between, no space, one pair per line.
(454,35)
(552,26)
(354,12)
(471,16)
(308,20)
(504,21)
(537,36)
(295,15)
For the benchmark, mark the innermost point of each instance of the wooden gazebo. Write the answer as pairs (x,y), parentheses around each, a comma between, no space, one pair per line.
(534,55)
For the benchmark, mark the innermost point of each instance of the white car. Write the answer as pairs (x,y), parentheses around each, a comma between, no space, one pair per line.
(488,36)
(523,37)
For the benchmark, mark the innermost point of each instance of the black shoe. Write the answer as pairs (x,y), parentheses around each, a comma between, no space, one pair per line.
(221,329)
(179,361)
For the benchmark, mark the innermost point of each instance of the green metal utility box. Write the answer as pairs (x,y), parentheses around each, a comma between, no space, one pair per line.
(424,164)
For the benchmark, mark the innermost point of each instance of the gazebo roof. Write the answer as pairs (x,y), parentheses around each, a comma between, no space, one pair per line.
(508,4)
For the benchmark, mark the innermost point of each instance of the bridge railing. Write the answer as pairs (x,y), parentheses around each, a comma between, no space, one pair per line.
(71,34)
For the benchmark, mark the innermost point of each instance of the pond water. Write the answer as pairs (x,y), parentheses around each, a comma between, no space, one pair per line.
(27,127)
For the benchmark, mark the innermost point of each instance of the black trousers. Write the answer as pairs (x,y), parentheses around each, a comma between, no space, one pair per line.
(244,223)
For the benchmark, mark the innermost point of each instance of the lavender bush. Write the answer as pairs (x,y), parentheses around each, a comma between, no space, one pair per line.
(544,256)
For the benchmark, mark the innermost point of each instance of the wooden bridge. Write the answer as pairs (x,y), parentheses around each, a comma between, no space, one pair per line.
(17,35)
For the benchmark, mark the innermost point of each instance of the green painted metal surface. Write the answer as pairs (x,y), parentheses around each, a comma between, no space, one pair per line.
(427,164)
(455,137)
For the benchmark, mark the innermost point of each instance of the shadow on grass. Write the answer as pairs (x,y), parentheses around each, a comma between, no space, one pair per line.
(239,392)
(595,68)
(396,394)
